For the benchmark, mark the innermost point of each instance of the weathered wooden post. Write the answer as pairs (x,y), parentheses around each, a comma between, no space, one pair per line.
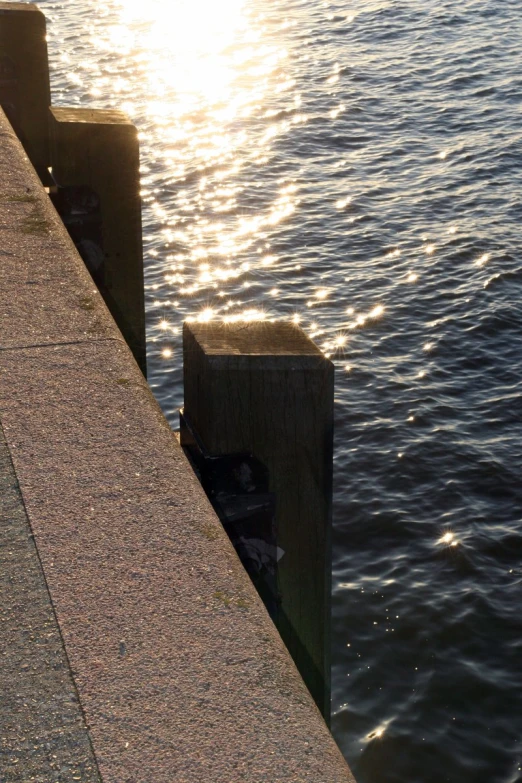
(267,390)
(95,166)
(25,93)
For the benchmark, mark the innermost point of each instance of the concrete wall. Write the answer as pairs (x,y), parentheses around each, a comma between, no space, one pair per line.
(171,666)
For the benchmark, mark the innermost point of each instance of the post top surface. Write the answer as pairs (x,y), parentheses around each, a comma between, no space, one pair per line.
(259,338)
(7,8)
(97,116)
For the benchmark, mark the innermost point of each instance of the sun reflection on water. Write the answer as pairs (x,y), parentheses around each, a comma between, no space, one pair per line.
(208,70)
(212,88)
(186,41)
(448,538)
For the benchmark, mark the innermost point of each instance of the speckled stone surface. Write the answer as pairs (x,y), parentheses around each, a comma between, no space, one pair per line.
(181,675)
(47,296)
(43,736)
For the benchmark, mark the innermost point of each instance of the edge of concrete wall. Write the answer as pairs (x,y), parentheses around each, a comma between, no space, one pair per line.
(180,673)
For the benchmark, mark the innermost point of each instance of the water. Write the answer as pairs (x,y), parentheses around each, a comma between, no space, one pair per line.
(357,167)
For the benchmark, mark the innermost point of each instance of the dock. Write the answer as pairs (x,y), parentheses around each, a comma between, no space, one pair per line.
(134,645)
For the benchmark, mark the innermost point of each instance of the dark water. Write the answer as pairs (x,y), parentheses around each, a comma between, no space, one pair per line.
(357,167)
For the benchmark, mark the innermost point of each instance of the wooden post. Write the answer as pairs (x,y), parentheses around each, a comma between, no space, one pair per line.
(265,388)
(25,93)
(95,163)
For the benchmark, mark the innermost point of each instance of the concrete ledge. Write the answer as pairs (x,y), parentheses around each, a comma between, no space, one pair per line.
(43,731)
(180,673)
(47,296)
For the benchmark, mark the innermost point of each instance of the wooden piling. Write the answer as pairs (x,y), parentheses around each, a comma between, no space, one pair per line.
(95,164)
(25,93)
(265,388)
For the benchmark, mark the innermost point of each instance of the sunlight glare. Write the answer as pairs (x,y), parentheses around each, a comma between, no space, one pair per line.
(186,42)
(448,538)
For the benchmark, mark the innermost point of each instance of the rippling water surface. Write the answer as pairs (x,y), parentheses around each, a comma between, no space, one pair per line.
(357,167)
